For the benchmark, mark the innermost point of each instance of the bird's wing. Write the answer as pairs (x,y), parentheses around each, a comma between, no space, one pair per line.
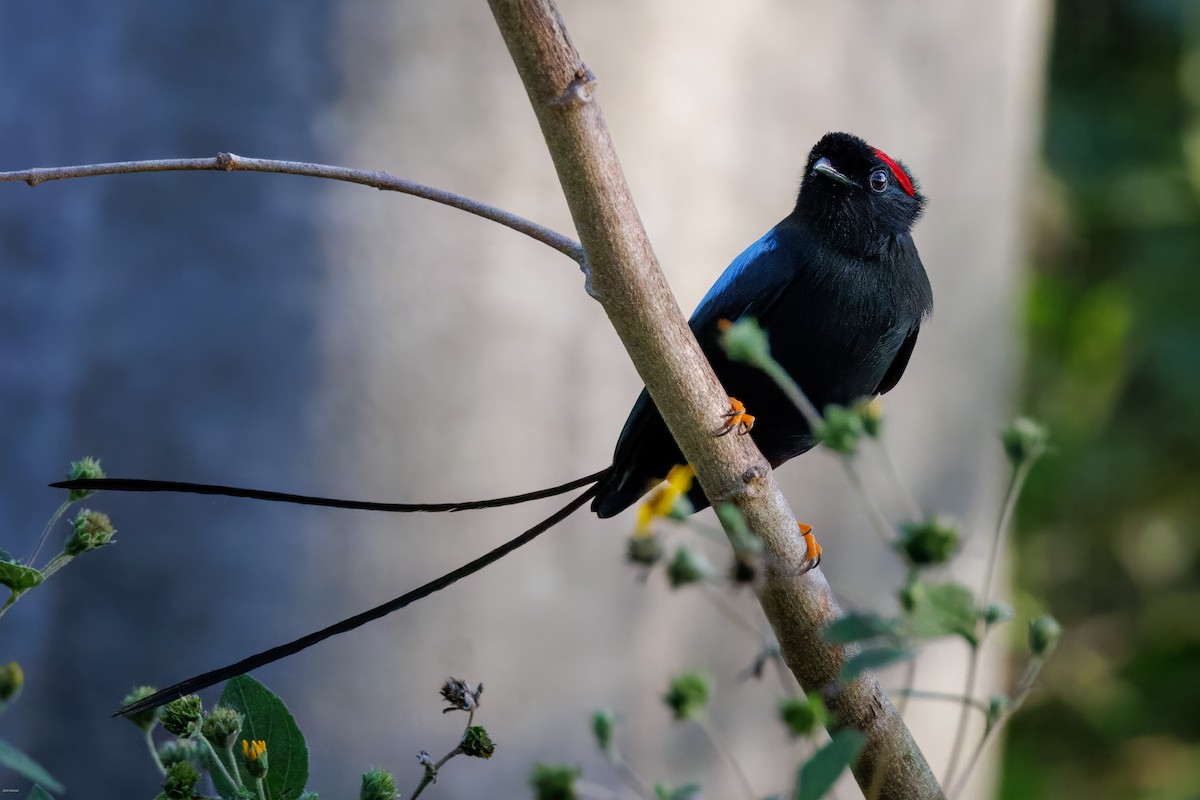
(750,285)
(900,362)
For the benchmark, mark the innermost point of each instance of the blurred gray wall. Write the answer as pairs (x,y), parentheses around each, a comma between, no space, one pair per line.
(286,333)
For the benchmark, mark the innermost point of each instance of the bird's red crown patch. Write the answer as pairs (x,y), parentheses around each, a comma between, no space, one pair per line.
(901,176)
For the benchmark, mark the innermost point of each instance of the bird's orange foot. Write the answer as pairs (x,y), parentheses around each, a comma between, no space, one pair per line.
(812,553)
(737,418)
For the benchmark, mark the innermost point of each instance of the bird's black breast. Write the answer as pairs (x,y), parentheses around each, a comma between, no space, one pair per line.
(835,321)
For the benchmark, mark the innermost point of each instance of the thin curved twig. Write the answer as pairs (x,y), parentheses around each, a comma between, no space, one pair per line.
(385,181)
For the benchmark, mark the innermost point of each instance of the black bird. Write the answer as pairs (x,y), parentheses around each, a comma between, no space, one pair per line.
(838,287)
(841,292)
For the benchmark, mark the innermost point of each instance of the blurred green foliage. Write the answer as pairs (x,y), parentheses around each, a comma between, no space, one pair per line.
(1108,527)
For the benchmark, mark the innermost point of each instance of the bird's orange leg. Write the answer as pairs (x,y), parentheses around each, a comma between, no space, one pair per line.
(813,552)
(737,418)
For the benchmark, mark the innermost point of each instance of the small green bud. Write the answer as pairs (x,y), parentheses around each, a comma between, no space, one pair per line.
(871,412)
(181,780)
(681,509)
(1044,633)
(841,430)
(476,743)
(12,679)
(804,715)
(554,782)
(221,726)
(745,341)
(692,791)
(1025,441)
(604,723)
(930,542)
(688,566)
(997,613)
(145,718)
(687,695)
(746,570)
(740,537)
(378,784)
(86,468)
(175,750)
(912,594)
(997,706)
(182,716)
(92,529)
(644,549)
(254,755)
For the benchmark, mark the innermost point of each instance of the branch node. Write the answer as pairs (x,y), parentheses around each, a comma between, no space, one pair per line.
(586,269)
(579,91)
(225,161)
(757,472)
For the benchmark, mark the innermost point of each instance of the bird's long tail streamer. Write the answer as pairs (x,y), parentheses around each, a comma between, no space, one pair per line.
(144,485)
(282,651)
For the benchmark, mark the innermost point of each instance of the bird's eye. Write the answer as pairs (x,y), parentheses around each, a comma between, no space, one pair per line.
(879,180)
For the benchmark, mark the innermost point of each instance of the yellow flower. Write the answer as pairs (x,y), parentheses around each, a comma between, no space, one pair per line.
(254,750)
(662,500)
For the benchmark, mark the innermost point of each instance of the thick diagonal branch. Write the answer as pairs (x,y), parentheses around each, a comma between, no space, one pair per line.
(627,281)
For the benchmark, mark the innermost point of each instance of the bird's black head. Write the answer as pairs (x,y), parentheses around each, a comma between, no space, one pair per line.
(857,195)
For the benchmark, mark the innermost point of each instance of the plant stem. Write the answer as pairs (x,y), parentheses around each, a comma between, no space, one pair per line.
(589,789)
(234,779)
(154,751)
(915,512)
(910,678)
(55,564)
(1015,484)
(46,531)
(431,773)
(731,612)
(1022,691)
(229,162)
(964,714)
(794,393)
(878,522)
(13,596)
(719,744)
(800,400)
(1011,494)
(626,774)
(924,694)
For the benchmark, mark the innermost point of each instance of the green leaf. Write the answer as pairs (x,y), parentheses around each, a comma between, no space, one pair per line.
(873,658)
(19,577)
(857,626)
(22,764)
(944,609)
(604,723)
(267,718)
(690,792)
(38,793)
(818,775)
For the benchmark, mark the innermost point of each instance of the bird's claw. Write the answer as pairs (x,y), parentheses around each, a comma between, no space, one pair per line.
(812,554)
(737,418)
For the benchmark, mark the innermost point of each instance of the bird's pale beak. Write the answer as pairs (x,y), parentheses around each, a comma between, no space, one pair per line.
(825,167)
